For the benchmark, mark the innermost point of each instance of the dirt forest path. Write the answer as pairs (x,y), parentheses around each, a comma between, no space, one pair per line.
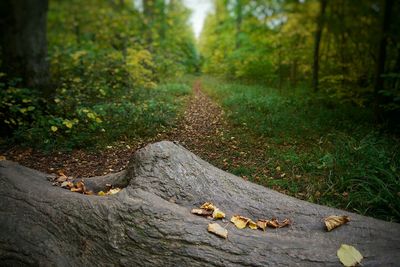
(202,123)
(197,130)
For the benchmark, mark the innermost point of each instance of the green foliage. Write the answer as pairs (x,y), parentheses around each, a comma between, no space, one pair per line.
(272,42)
(70,124)
(345,161)
(106,59)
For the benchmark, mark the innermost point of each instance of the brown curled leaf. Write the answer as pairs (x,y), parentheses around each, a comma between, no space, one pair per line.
(333,221)
(76,189)
(67,184)
(262,224)
(202,212)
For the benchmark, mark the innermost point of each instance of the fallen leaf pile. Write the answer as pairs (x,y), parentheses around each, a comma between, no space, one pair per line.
(79,187)
(209,209)
(349,255)
(58,180)
(333,221)
(241,222)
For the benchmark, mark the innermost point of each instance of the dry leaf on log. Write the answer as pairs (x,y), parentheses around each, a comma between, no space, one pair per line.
(349,255)
(202,212)
(262,224)
(218,230)
(208,206)
(334,221)
(217,214)
(240,221)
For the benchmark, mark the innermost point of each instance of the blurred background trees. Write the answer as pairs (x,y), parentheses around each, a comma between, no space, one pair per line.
(96,61)
(347,49)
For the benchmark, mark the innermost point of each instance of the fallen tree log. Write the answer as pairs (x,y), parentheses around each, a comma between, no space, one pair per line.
(149,222)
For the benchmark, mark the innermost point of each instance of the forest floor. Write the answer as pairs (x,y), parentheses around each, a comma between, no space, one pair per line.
(202,128)
(229,125)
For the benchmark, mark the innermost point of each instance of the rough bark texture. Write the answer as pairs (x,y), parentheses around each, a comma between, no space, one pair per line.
(149,222)
(24,43)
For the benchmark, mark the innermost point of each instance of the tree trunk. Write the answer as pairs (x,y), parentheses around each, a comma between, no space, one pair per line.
(239,18)
(23,42)
(381,59)
(317,41)
(149,222)
(148,13)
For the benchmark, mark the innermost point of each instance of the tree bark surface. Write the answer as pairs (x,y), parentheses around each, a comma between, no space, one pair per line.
(149,222)
(24,43)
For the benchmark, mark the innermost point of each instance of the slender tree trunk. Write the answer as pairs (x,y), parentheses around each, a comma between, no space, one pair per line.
(381,58)
(318,35)
(24,43)
(148,12)
(239,18)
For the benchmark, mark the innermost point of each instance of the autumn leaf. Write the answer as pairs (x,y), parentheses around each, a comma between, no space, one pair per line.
(62,178)
(114,191)
(77,189)
(54,128)
(2,158)
(218,230)
(67,184)
(217,214)
(202,212)
(262,224)
(274,223)
(332,222)
(240,221)
(208,206)
(252,225)
(349,255)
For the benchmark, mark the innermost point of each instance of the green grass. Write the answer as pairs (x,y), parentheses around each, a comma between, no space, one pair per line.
(331,153)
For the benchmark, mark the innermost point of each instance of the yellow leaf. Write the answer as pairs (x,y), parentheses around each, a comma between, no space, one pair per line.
(208,206)
(2,158)
(101,193)
(218,230)
(349,255)
(252,225)
(240,221)
(54,128)
(334,221)
(217,214)
(68,124)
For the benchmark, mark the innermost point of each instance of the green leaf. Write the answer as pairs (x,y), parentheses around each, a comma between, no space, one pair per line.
(349,255)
